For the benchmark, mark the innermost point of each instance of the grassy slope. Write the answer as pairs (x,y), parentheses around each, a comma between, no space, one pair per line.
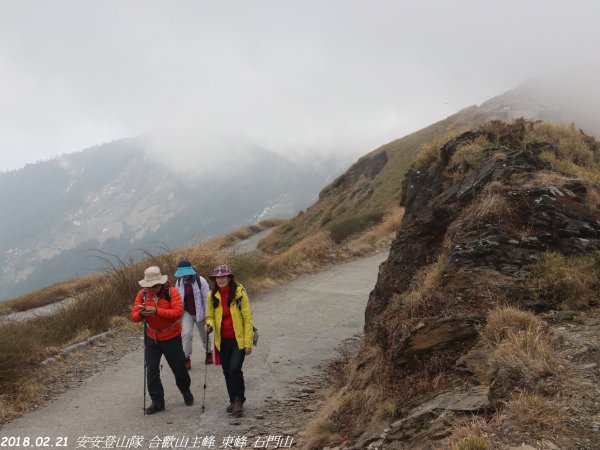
(355,194)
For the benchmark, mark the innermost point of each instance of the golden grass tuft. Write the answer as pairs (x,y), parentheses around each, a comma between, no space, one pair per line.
(566,281)
(571,143)
(469,155)
(523,358)
(472,442)
(430,151)
(470,436)
(503,321)
(534,413)
(576,153)
(427,280)
(305,254)
(544,179)
(379,235)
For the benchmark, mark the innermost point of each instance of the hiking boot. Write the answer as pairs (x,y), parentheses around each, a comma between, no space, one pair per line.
(238,407)
(155,407)
(229,408)
(188,363)
(188,398)
(209,358)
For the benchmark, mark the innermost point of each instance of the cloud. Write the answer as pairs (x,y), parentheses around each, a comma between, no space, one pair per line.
(296,77)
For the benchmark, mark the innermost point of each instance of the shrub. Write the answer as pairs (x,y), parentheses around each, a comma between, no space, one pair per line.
(326,218)
(340,230)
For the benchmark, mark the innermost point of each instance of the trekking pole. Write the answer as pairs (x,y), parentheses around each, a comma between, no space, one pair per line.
(205,372)
(145,368)
(144,340)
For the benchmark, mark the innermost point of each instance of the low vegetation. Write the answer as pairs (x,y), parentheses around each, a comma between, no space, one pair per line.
(569,282)
(522,358)
(503,321)
(50,294)
(345,228)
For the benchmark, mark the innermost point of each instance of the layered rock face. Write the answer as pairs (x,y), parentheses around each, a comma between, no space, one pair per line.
(493,225)
(474,229)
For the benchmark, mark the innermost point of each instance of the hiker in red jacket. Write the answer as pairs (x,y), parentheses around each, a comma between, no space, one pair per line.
(160,305)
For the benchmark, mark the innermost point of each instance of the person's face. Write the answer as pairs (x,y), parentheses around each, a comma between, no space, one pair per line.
(187,279)
(222,281)
(155,289)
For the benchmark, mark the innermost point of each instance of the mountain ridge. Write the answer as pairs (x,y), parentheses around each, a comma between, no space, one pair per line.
(116,198)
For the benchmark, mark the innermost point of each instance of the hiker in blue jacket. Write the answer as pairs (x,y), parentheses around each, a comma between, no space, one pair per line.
(193,290)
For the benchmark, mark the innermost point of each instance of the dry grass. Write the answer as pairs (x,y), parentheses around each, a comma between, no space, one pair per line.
(304,255)
(472,442)
(489,207)
(591,172)
(379,235)
(470,436)
(534,413)
(575,153)
(545,179)
(430,151)
(360,399)
(320,430)
(523,358)
(248,231)
(503,321)
(51,294)
(469,155)
(566,281)
(592,199)
(571,143)
(426,281)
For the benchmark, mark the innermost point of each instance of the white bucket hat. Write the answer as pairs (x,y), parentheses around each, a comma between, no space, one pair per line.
(153,277)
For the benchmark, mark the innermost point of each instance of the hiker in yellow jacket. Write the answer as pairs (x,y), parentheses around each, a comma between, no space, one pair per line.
(228,314)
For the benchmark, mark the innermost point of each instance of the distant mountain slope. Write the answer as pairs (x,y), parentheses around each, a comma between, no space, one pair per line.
(116,199)
(373,184)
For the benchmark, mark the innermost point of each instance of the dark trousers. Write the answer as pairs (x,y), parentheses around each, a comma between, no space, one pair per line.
(232,359)
(173,351)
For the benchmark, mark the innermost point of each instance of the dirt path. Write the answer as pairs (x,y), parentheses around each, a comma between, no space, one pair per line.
(300,324)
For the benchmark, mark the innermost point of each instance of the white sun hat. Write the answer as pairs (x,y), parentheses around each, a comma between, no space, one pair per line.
(152,277)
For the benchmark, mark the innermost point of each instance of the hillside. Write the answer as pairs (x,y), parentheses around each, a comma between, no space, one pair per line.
(369,188)
(481,331)
(117,199)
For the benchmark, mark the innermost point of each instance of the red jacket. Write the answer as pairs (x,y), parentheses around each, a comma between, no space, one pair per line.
(165,324)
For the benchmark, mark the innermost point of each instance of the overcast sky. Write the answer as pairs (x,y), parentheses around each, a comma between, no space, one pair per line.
(293,76)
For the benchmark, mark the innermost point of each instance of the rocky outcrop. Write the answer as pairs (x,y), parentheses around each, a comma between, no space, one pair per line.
(484,224)
(493,248)
(365,169)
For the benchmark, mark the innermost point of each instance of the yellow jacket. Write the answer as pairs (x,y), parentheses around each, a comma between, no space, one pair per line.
(242,317)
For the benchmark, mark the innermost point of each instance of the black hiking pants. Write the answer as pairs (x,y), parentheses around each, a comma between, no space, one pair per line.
(173,351)
(232,359)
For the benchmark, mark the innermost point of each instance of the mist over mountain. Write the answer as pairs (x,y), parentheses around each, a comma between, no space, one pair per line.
(118,198)
(568,97)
